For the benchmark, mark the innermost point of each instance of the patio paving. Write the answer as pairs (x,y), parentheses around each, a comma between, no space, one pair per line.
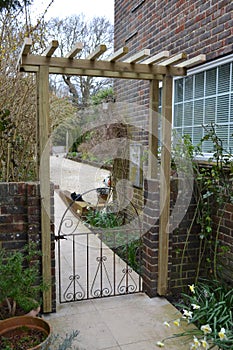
(127,322)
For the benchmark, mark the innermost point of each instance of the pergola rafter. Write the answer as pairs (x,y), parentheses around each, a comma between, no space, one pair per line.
(160,67)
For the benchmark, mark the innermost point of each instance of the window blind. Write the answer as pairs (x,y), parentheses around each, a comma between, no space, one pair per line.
(204,98)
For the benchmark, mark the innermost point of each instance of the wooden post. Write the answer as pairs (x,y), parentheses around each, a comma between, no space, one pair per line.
(165,170)
(43,159)
(153,130)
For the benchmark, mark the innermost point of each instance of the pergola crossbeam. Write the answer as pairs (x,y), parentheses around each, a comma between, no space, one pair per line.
(75,50)
(192,61)
(24,50)
(26,47)
(49,51)
(138,56)
(118,54)
(174,59)
(97,53)
(156,58)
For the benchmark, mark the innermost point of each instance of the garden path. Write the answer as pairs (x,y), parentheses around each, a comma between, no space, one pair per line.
(129,322)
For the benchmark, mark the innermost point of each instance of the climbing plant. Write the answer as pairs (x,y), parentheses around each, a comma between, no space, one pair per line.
(212,191)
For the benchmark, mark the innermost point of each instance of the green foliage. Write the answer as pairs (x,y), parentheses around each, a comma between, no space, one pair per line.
(212,190)
(79,140)
(124,244)
(130,252)
(211,304)
(207,314)
(4,119)
(103,219)
(19,279)
(109,224)
(104,95)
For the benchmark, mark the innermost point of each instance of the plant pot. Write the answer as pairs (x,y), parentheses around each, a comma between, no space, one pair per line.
(16,327)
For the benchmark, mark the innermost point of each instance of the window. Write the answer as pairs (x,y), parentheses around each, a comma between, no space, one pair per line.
(204,97)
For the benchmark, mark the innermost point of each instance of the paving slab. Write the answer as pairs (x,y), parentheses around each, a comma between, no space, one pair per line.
(123,322)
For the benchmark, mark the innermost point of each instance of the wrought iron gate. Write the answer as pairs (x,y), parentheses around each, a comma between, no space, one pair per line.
(99,263)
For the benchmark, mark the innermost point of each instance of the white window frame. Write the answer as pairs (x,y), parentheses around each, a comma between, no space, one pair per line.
(199,69)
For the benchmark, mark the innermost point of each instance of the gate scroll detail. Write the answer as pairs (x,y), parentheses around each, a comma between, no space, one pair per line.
(91,263)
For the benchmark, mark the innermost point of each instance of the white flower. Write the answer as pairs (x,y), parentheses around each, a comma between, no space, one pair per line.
(204,344)
(196,342)
(160,344)
(187,313)
(222,334)
(192,288)
(206,329)
(166,324)
(195,306)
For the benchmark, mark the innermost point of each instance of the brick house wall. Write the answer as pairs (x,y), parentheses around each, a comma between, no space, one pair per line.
(20,219)
(193,27)
(184,244)
(223,223)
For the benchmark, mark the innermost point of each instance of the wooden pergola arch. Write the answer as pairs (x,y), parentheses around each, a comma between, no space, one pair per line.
(160,67)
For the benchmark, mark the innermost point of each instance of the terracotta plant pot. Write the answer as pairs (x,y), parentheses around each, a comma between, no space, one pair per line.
(19,324)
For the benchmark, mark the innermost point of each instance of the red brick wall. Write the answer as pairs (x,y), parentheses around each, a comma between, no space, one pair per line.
(193,27)
(184,244)
(20,218)
(176,25)
(223,224)
(150,237)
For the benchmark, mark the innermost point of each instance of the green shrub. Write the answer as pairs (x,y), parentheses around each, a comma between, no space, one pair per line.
(20,283)
(208,306)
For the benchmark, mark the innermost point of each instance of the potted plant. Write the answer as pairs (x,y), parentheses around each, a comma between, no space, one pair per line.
(24,333)
(20,284)
(20,289)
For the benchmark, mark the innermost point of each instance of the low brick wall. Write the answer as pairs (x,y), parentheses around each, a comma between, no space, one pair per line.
(20,219)
(183,243)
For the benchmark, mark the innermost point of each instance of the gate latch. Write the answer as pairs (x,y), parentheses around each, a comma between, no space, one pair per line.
(57,238)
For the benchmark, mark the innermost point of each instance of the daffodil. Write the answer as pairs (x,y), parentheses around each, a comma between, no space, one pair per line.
(195,306)
(166,324)
(193,346)
(196,342)
(187,313)
(206,329)
(177,322)
(222,334)
(192,288)
(160,344)
(204,344)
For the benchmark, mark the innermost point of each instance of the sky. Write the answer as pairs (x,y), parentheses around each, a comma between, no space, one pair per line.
(64,8)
